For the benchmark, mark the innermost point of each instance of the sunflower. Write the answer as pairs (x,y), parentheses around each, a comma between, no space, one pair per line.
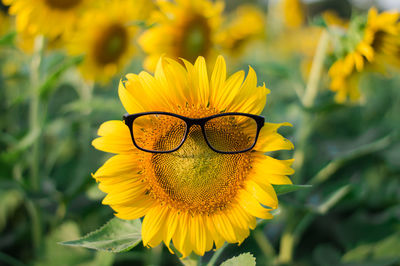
(246,23)
(51,18)
(4,23)
(105,35)
(194,197)
(368,45)
(182,29)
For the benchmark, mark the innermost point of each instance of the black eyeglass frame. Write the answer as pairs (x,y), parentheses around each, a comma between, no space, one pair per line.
(130,118)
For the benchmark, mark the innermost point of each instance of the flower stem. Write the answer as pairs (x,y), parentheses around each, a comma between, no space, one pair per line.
(216,255)
(35,129)
(35,220)
(378,145)
(316,71)
(286,247)
(86,95)
(34,121)
(264,244)
(308,100)
(289,237)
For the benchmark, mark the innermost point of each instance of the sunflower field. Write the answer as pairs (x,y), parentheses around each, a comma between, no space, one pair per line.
(200,132)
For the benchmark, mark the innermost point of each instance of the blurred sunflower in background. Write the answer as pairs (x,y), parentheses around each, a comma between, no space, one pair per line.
(296,37)
(4,22)
(369,44)
(243,25)
(51,18)
(105,36)
(183,29)
(194,196)
(293,13)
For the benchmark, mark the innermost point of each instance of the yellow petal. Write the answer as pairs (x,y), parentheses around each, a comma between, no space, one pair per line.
(200,69)
(198,234)
(172,224)
(237,217)
(270,140)
(224,227)
(125,195)
(180,239)
(359,61)
(252,206)
(218,239)
(366,50)
(119,165)
(264,193)
(218,78)
(115,138)
(128,100)
(153,226)
(231,88)
(265,165)
(141,207)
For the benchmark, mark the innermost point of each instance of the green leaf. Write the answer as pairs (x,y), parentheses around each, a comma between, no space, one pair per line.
(245,259)
(386,248)
(319,21)
(49,84)
(101,259)
(10,200)
(334,198)
(8,39)
(59,255)
(327,255)
(115,236)
(283,189)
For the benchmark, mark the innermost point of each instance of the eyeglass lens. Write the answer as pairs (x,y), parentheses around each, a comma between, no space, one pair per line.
(158,132)
(231,133)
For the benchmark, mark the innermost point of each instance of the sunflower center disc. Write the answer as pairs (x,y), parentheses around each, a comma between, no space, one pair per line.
(195,39)
(62,4)
(111,44)
(197,179)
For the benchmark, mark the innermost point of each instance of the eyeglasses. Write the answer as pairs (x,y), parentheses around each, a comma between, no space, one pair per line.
(162,132)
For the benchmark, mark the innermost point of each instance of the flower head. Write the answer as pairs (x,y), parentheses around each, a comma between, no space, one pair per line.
(367,45)
(183,29)
(105,35)
(51,18)
(247,22)
(194,197)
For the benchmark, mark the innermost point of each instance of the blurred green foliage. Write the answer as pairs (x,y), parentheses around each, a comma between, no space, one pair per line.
(350,216)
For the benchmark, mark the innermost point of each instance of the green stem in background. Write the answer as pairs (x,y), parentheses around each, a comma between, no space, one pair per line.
(289,239)
(286,246)
(264,244)
(86,95)
(308,100)
(154,255)
(35,220)
(35,129)
(293,232)
(316,70)
(378,145)
(216,255)
(34,121)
